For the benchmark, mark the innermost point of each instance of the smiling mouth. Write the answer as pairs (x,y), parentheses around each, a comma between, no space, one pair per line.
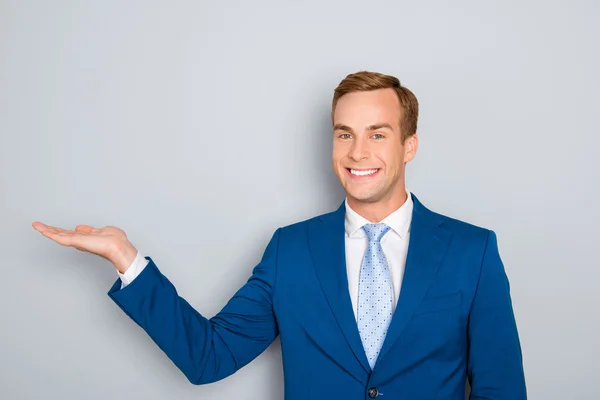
(359,173)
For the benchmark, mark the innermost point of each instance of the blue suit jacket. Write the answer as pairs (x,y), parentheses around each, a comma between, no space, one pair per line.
(454,317)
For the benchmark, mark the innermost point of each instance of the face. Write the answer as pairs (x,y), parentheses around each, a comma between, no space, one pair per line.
(368,154)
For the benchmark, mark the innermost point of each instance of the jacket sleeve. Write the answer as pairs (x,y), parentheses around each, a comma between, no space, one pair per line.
(205,350)
(495,366)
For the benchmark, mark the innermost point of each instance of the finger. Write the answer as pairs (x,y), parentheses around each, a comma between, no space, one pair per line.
(51,234)
(66,238)
(55,229)
(37,225)
(43,227)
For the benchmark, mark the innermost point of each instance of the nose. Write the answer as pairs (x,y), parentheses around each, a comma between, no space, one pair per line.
(359,151)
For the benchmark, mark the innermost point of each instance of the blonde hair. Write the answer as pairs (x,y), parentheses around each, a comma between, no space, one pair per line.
(367,81)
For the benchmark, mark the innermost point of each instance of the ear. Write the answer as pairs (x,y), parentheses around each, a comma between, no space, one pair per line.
(410,147)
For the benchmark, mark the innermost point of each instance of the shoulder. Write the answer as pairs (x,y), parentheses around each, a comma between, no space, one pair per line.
(466,239)
(463,228)
(460,229)
(301,227)
(330,223)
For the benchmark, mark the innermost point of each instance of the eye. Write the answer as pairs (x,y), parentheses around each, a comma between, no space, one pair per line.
(345,136)
(377,136)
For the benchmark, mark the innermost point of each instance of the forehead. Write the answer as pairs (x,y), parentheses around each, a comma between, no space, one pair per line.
(367,108)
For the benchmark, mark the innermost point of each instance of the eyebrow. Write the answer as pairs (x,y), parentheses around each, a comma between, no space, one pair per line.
(373,127)
(341,127)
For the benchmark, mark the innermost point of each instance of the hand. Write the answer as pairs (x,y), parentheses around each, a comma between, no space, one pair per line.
(109,242)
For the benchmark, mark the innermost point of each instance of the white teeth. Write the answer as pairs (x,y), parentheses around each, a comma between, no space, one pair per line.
(364,172)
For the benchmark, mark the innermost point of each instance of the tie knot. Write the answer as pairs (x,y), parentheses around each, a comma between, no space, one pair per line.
(375,231)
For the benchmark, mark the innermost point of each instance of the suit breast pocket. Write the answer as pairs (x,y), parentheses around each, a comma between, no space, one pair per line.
(439,303)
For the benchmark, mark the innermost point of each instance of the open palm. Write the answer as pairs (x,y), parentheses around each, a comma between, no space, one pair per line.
(109,242)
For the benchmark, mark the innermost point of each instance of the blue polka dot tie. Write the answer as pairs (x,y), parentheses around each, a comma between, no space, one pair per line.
(374,294)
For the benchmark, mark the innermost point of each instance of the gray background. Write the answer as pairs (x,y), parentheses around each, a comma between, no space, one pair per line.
(169,118)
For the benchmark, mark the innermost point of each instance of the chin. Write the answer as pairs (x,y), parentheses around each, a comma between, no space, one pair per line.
(364,197)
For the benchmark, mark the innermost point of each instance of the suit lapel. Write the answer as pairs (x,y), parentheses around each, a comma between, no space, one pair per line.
(426,249)
(327,246)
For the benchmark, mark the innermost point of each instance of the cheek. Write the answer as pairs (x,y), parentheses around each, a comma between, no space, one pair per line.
(336,162)
(338,153)
(393,157)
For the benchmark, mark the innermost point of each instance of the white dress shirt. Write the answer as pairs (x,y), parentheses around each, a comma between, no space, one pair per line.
(394,245)
(136,267)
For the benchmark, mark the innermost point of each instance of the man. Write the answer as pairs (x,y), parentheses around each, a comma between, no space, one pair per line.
(382,297)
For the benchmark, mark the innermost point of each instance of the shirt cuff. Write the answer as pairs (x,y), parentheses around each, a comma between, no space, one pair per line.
(136,267)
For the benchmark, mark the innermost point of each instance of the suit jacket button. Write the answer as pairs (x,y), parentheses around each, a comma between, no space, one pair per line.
(373,393)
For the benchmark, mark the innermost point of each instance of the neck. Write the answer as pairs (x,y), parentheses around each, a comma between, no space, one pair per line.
(375,212)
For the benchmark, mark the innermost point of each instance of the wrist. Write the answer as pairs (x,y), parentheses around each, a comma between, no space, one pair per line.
(124,256)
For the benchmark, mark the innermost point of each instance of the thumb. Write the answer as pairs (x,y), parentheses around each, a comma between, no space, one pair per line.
(84,228)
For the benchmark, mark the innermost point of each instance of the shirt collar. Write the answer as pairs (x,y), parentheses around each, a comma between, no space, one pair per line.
(399,221)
